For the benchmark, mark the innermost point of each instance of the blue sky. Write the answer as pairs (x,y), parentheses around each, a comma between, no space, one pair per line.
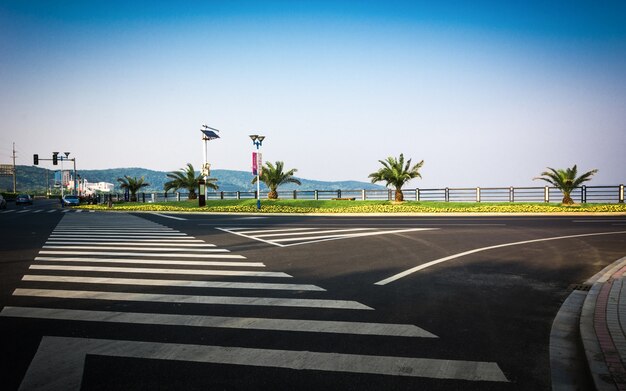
(487,93)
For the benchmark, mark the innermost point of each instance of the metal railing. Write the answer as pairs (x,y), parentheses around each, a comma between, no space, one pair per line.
(584,194)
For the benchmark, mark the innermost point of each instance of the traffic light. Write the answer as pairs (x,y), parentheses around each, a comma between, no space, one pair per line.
(36,159)
(55,159)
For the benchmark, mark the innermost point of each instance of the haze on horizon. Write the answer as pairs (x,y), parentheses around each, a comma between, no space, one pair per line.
(487,93)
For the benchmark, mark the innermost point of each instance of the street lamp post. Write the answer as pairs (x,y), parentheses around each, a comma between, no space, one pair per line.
(257,141)
(208,134)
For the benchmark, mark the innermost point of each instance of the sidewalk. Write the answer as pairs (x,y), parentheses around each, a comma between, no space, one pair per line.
(595,320)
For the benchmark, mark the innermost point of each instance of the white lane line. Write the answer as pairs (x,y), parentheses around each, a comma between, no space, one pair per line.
(192,299)
(59,361)
(125,254)
(8,211)
(119,240)
(104,244)
(52,211)
(297,325)
(65,210)
(167,217)
(448,258)
(197,272)
(150,261)
(79,211)
(38,211)
(312,232)
(598,221)
(144,248)
(177,283)
(23,211)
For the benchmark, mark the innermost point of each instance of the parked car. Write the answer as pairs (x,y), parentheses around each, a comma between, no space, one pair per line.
(71,200)
(3,202)
(23,199)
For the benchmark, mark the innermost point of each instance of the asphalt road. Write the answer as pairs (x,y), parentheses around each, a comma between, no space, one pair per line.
(297,302)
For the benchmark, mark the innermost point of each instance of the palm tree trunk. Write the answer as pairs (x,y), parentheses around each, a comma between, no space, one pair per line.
(399,195)
(567,199)
(272,195)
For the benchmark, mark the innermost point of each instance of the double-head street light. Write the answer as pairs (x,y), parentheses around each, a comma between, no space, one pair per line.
(208,134)
(257,163)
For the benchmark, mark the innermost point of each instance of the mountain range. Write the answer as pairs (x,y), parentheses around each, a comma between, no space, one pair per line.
(33,178)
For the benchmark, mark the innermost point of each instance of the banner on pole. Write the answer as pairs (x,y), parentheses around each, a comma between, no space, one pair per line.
(257,163)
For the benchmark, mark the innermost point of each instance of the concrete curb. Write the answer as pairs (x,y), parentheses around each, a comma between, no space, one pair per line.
(590,320)
(390,214)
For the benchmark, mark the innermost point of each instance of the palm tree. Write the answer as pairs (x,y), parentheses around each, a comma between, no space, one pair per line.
(187,179)
(396,173)
(273,176)
(566,181)
(133,185)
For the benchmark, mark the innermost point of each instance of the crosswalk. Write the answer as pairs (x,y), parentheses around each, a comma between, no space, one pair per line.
(294,236)
(101,268)
(35,211)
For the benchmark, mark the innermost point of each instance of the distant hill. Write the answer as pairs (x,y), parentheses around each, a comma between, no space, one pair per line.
(33,178)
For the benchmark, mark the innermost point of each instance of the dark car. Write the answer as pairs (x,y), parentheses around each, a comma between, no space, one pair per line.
(23,199)
(71,200)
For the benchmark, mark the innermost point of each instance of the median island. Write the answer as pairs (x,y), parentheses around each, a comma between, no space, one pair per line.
(344,206)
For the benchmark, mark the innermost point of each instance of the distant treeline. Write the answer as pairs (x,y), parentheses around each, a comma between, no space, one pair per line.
(33,179)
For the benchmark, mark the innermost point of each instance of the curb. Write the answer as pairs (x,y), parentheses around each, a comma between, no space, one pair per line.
(587,342)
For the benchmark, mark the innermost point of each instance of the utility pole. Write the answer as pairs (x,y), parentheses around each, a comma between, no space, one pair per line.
(14,173)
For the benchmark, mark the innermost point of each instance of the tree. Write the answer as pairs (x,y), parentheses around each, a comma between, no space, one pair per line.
(273,176)
(566,181)
(396,173)
(133,185)
(187,179)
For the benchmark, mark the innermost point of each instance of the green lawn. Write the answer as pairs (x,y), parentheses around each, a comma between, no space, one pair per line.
(330,206)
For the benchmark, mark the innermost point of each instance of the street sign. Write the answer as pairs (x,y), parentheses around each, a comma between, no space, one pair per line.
(6,170)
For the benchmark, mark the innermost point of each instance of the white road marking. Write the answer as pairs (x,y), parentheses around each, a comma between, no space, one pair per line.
(125,254)
(120,236)
(79,210)
(38,211)
(119,240)
(315,239)
(105,243)
(23,211)
(150,261)
(448,258)
(313,232)
(342,236)
(271,230)
(197,272)
(117,232)
(168,217)
(178,283)
(192,299)
(113,229)
(59,361)
(52,211)
(598,221)
(298,325)
(8,211)
(144,248)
